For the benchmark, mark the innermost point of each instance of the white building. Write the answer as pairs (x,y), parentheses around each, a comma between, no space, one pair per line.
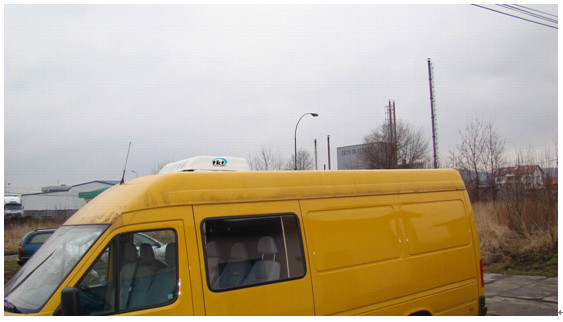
(350,157)
(531,176)
(61,197)
(354,157)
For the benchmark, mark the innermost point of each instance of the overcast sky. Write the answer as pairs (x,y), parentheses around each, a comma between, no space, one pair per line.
(81,82)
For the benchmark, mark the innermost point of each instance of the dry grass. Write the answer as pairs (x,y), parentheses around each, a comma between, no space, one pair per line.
(15,229)
(519,234)
(496,238)
(10,269)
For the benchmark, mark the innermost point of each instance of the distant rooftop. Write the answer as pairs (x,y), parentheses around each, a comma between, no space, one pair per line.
(62,187)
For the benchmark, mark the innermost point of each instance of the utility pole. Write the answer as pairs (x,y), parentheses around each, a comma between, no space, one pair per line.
(316,166)
(389,157)
(433,116)
(395,148)
(328,143)
(390,122)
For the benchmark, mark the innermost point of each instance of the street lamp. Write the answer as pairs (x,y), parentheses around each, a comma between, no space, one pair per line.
(295,136)
(136,175)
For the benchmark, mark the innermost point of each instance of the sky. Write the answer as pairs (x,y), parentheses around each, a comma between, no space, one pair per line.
(82,81)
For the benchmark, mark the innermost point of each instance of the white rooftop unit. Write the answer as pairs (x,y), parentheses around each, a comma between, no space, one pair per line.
(206,163)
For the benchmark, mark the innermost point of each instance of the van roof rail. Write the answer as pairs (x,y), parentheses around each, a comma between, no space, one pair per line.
(206,163)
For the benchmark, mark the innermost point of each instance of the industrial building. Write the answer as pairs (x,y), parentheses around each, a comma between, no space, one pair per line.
(350,157)
(62,198)
(354,157)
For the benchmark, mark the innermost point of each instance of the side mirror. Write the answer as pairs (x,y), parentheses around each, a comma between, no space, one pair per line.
(70,301)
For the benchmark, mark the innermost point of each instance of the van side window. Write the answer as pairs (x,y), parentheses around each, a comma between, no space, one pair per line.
(246,251)
(136,270)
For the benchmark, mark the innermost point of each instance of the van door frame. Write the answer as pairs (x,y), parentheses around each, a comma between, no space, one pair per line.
(184,296)
(249,209)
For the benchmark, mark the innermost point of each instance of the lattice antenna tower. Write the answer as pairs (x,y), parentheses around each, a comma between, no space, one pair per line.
(433,115)
(391,122)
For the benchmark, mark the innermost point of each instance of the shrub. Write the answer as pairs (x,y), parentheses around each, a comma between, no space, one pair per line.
(16,228)
(518,231)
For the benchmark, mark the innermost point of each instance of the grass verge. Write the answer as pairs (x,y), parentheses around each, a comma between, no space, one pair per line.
(546,266)
(10,269)
(530,250)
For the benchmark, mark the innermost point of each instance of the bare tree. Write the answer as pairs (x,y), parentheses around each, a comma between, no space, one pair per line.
(468,157)
(304,161)
(266,160)
(412,147)
(546,156)
(411,150)
(376,155)
(525,156)
(493,156)
(480,151)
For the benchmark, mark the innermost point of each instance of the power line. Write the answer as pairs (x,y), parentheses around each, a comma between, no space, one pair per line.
(535,15)
(504,13)
(549,14)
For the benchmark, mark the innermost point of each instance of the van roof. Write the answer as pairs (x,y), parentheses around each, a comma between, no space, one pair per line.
(192,188)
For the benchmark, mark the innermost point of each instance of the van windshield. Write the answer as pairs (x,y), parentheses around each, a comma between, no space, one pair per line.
(37,280)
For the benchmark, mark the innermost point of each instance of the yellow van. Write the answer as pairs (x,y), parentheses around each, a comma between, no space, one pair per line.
(374,242)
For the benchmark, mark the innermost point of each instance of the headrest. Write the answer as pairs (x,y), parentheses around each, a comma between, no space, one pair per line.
(267,245)
(147,254)
(239,251)
(171,254)
(129,253)
(213,250)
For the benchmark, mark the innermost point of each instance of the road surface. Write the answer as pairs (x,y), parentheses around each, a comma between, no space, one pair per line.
(521,295)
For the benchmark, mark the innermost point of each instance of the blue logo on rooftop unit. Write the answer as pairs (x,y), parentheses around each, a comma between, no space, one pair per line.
(219,162)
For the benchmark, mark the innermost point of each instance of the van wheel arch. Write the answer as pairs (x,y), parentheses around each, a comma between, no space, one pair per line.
(421,313)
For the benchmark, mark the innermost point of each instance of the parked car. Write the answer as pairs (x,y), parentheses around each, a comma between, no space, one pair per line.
(31,242)
(34,239)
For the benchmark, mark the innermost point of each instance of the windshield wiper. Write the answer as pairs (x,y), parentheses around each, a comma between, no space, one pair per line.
(10,307)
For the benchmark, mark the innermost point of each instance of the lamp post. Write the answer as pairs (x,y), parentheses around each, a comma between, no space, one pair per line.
(295,137)
(136,175)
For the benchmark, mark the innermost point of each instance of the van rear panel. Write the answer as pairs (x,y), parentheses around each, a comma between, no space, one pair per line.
(385,254)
